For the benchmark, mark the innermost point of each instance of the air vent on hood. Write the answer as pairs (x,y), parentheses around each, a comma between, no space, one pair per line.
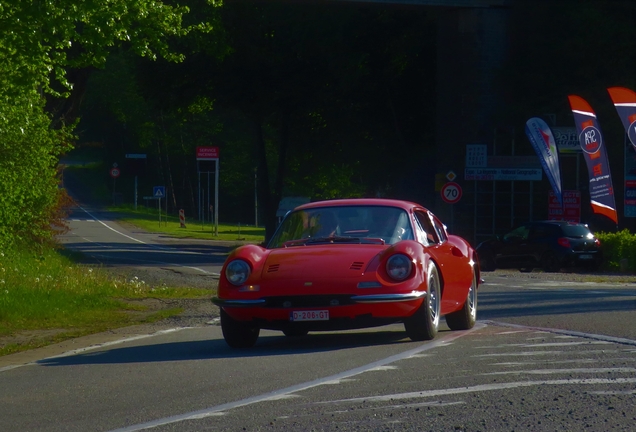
(273,268)
(356,265)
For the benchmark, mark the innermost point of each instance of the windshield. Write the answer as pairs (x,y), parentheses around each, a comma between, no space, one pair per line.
(574,231)
(355,224)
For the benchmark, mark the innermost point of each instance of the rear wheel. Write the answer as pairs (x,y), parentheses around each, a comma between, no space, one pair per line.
(238,334)
(424,323)
(466,317)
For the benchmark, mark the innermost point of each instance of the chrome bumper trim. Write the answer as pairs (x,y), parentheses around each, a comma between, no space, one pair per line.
(238,303)
(388,298)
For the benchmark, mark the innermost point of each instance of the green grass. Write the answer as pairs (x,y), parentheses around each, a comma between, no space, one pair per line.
(48,291)
(148,219)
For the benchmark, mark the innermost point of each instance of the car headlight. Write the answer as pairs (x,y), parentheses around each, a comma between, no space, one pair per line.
(399,267)
(237,272)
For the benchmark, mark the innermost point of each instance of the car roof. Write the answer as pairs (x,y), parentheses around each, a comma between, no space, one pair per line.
(406,205)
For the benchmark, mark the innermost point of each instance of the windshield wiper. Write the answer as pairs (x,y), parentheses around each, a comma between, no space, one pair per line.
(333,239)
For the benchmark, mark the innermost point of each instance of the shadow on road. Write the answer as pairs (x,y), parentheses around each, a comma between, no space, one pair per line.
(267,346)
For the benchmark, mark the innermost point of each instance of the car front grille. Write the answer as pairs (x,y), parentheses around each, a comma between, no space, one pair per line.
(307,301)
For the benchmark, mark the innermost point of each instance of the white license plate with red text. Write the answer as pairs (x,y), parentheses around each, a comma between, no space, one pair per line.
(312,315)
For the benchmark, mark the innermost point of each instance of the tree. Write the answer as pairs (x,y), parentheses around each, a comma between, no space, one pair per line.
(48,48)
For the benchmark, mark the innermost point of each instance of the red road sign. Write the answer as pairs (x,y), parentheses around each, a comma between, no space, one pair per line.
(114,172)
(207,153)
(451,192)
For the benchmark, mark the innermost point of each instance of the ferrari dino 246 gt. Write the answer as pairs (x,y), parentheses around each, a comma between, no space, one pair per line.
(346,264)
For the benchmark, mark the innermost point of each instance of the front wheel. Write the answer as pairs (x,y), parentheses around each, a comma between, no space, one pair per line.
(466,317)
(424,323)
(238,334)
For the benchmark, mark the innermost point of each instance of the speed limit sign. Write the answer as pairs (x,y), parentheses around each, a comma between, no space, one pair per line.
(114,172)
(451,192)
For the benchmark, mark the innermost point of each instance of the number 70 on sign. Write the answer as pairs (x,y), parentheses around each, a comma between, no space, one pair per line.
(451,192)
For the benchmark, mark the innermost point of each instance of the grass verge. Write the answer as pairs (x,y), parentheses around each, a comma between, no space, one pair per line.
(148,219)
(49,295)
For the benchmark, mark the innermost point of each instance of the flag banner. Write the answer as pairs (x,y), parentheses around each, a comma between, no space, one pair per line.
(625,102)
(542,140)
(595,154)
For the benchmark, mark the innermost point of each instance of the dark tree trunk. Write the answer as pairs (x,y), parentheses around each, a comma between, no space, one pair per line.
(282,158)
(65,111)
(263,190)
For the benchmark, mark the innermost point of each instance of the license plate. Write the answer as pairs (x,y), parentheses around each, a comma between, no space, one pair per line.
(586,257)
(313,315)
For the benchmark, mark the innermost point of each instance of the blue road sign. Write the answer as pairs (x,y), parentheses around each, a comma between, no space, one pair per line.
(159,191)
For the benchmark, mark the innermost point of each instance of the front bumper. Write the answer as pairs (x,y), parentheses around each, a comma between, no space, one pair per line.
(339,300)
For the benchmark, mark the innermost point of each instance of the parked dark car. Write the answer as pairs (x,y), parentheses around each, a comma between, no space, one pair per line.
(550,245)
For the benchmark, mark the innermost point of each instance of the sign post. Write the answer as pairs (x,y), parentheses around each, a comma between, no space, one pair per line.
(204,156)
(451,193)
(139,157)
(114,173)
(160,192)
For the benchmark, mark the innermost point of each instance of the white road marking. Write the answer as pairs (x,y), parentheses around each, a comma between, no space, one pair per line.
(206,412)
(520,354)
(481,388)
(564,371)
(587,360)
(383,368)
(159,248)
(546,344)
(611,339)
(613,393)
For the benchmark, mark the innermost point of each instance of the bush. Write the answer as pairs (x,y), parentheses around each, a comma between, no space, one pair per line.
(30,197)
(617,246)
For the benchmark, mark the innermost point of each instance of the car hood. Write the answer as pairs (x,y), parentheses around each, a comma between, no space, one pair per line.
(320,261)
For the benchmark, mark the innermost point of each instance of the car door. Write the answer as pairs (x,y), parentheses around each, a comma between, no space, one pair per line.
(453,265)
(539,241)
(514,250)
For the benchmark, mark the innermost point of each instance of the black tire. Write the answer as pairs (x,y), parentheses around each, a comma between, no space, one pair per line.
(466,317)
(487,262)
(424,323)
(238,334)
(550,263)
(295,332)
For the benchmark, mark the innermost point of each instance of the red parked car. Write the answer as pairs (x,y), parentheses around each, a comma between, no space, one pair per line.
(350,263)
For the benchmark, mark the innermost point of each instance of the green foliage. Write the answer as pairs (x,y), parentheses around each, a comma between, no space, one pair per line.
(48,290)
(41,43)
(618,246)
(41,38)
(29,150)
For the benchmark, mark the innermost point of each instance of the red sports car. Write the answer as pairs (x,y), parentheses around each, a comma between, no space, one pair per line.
(350,263)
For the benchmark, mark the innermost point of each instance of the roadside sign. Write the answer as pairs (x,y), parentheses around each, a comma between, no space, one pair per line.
(114,172)
(451,192)
(207,153)
(159,191)
(451,176)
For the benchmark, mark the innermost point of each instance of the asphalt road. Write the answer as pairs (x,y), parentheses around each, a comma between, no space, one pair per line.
(98,235)
(545,355)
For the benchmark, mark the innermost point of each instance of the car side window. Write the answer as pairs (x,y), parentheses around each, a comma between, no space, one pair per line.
(540,232)
(427,226)
(440,230)
(518,234)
